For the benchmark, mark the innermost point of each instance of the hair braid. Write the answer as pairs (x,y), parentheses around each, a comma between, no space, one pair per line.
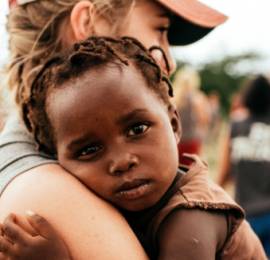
(87,55)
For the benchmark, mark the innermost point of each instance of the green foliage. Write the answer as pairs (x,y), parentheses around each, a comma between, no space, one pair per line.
(224,76)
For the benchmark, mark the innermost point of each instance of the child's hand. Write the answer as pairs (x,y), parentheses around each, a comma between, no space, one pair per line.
(17,242)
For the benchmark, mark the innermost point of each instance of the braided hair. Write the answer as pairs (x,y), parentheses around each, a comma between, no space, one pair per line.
(90,54)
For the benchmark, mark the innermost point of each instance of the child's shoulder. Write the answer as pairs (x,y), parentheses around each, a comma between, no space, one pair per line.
(202,217)
(185,229)
(198,234)
(192,234)
(195,190)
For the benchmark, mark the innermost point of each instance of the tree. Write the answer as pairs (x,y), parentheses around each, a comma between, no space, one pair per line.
(224,76)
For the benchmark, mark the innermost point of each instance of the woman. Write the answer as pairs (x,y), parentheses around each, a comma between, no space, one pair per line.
(90,227)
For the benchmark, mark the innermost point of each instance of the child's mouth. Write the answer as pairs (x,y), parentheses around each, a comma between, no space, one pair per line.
(133,190)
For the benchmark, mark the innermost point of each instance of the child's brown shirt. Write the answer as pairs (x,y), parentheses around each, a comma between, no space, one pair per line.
(194,190)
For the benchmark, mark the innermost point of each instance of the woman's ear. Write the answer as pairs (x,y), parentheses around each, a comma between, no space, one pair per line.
(175,122)
(81,20)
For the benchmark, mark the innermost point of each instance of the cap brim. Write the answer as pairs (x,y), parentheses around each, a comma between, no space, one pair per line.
(192,20)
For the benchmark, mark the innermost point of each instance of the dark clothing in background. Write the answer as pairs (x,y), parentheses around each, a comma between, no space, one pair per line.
(250,157)
(250,166)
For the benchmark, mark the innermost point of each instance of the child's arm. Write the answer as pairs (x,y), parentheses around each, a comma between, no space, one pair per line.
(39,241)
(192,234)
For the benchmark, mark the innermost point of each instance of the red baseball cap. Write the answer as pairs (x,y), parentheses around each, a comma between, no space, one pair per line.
(192,20)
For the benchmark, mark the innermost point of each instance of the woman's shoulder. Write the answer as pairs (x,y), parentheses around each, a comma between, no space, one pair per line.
(18,152)
(87,224)
(36,186)
(47,189)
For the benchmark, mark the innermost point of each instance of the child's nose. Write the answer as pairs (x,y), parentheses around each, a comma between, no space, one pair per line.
(122,164)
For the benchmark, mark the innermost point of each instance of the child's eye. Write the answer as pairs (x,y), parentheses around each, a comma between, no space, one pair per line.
(137,129)
(90,151)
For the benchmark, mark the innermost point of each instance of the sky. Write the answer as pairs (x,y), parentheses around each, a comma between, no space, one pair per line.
(246,30)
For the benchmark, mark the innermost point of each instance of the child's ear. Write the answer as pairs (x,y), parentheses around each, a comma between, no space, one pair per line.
(175,122)
(81,20)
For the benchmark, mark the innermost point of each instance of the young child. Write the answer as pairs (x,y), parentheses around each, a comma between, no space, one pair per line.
(104,111)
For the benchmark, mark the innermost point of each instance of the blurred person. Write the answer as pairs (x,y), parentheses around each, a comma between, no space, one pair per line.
(247,157)
(215,116)
(193,107)
(238,111)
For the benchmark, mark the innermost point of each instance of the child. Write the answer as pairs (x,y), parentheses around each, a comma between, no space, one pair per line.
(118,134)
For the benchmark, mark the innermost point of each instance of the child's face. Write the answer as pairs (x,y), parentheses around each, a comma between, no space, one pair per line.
(116,136)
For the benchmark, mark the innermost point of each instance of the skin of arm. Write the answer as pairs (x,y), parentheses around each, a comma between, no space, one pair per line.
(191,234)
(90,227)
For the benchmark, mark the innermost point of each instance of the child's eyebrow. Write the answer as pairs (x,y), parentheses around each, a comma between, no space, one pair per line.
(130,115)
(77,142)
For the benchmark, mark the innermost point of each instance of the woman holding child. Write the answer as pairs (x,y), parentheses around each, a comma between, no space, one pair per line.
(90,227)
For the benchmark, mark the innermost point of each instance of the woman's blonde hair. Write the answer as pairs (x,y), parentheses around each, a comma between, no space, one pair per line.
(34,31)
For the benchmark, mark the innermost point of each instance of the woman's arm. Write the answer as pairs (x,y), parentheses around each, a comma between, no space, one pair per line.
(90,227)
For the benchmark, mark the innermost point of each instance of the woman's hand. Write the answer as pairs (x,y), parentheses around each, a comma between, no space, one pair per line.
(40,241)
